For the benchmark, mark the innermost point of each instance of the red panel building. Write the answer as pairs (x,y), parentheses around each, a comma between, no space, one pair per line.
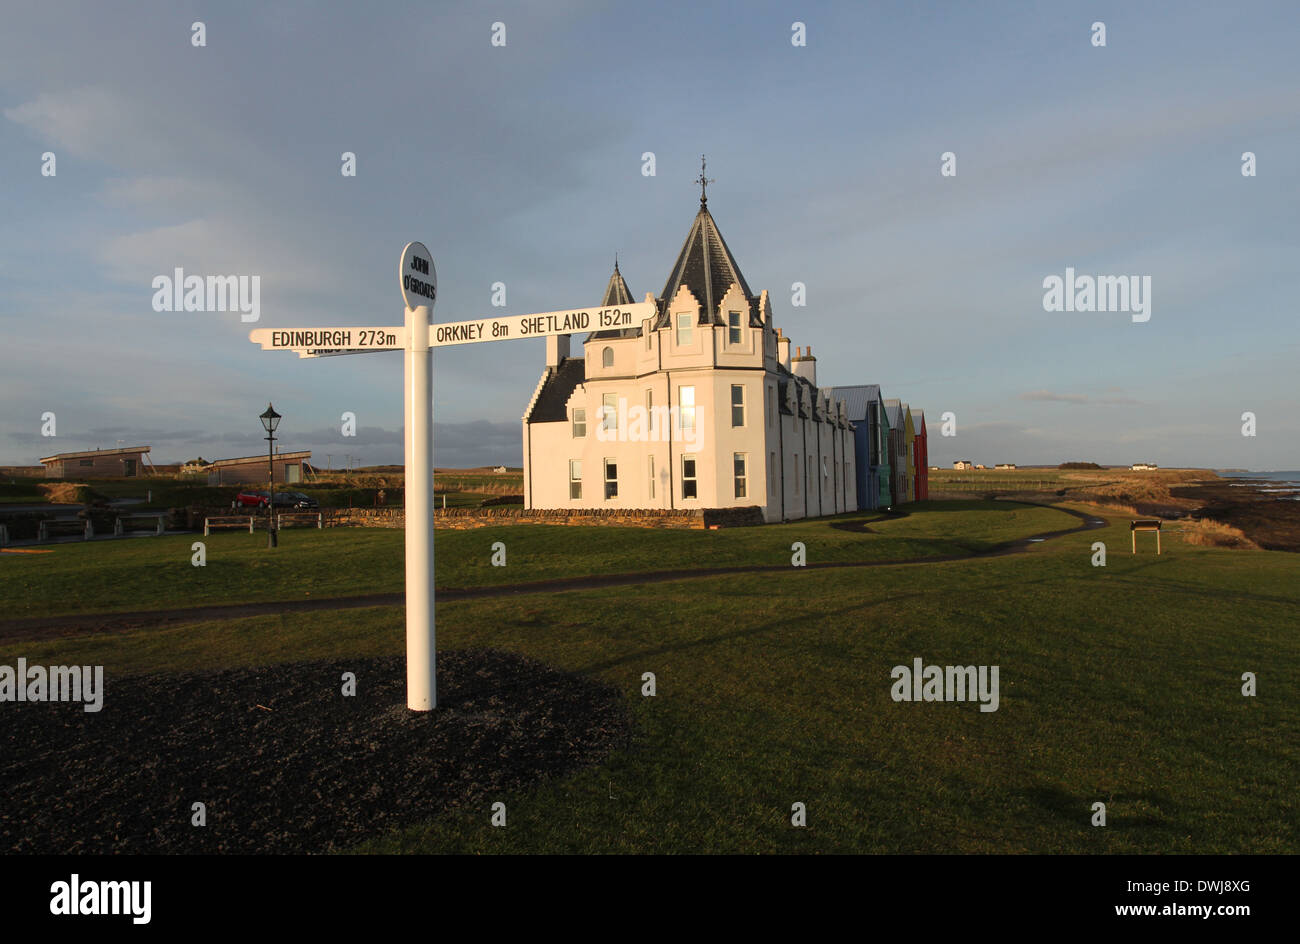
(921,456)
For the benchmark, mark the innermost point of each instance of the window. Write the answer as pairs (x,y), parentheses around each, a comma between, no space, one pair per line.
(733,327)
(771,473)
(652,477)
(609,412)
(575,478)
(684,328)
(812,474)
(611,478)
(688,477)
(607,357)
(737,405)
(826,475)
(649,402)
(579,423)
(85,462)
(771,404)
(738,467)
(686,414)
(795,467)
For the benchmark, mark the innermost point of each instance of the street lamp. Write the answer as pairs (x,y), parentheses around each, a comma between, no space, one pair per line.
(270,420)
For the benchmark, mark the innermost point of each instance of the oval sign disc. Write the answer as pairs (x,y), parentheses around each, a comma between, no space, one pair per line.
(418,276)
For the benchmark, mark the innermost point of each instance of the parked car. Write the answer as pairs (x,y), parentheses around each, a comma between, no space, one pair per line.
(295,500)
(251,499)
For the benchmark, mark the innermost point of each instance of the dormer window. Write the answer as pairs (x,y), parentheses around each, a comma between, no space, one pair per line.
(607,357)
(733,327)
(684,328)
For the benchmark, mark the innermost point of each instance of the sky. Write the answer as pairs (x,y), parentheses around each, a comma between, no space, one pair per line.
(522,164)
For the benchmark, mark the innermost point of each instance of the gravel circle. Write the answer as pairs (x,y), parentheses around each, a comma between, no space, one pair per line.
(283,761)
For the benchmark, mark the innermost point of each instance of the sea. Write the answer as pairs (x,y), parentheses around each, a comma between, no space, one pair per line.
(1278,484)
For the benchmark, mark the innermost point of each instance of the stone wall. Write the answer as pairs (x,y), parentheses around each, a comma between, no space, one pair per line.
(465,518)
(364,518)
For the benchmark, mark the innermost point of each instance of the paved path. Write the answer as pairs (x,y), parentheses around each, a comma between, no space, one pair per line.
(76,624)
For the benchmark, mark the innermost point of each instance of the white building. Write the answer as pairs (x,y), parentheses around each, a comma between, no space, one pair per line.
(701,406)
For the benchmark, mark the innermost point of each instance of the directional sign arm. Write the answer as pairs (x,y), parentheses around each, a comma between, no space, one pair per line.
(366,338)
(320,352)
(513,327)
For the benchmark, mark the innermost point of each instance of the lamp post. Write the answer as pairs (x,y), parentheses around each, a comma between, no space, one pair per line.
(270,420)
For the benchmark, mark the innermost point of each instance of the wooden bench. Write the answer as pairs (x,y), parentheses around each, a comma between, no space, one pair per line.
(1144,524)
(119,528)
(85,527)
(227,521)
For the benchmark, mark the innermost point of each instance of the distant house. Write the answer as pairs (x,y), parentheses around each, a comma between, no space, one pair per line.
(866,411)
(921,455)
(127,463)
(1143,467)
(290,467)
(963,465)
(1005,465)
(900,448)
(499,469)
(980,466)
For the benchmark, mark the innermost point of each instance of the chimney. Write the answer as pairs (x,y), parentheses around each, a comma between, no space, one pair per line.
(557,348)
(805,365)
(782,349)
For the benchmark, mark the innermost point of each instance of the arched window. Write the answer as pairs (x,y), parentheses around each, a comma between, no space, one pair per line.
(607,357)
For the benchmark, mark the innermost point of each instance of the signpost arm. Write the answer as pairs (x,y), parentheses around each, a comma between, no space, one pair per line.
(421,673)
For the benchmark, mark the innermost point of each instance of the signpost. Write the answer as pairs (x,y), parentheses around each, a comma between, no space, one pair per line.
(419,290)
(418,337)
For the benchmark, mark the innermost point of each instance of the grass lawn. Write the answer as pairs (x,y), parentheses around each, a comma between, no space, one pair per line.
(1118,684)
(156,573)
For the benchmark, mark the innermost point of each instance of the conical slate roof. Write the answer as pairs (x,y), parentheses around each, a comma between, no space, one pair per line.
(616,293)
(706,267)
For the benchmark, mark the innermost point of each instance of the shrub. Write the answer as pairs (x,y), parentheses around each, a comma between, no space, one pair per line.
(1210,533)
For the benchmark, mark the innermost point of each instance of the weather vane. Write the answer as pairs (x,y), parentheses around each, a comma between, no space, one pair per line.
(703,182)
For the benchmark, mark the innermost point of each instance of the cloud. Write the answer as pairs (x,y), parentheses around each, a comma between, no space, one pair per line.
(1048,396)
(98,124)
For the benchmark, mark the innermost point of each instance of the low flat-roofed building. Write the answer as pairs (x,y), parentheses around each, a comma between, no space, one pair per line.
(290,467)
(126,462)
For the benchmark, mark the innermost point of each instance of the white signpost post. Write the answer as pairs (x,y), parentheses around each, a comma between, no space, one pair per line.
(418,337)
